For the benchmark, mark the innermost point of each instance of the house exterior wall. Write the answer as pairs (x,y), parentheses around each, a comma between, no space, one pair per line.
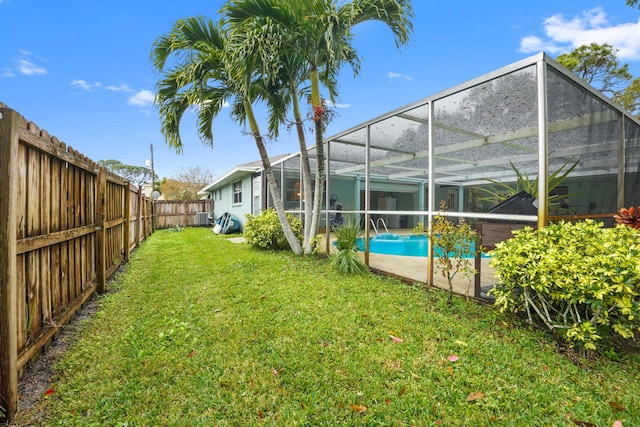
(224,199)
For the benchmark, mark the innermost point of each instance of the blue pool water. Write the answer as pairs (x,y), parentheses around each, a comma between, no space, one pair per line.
(395,244)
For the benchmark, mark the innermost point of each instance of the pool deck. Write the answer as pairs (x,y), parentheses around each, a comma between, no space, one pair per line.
(415,269)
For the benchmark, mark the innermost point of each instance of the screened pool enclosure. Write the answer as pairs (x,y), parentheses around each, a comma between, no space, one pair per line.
(522,122)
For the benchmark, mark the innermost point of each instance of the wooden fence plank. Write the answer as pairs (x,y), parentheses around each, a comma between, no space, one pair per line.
(8,279)
(45,228)
(55,207)
(77,203)
(64,224)
(127,221)
(101,278)
(33,229)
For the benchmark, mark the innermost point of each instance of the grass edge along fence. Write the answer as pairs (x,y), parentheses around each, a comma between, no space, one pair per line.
(66,224)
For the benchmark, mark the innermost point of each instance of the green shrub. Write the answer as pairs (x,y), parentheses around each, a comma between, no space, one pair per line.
(265,231)
(578,279)
(452,244)
(347,260)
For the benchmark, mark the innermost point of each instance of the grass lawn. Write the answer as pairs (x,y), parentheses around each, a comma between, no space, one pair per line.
(202,331)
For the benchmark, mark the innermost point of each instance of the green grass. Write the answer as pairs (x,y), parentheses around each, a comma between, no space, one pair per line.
(202,331)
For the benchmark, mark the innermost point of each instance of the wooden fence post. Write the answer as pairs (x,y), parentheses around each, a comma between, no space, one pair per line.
(101,233)
(139,223)
(127,221)
(8,271)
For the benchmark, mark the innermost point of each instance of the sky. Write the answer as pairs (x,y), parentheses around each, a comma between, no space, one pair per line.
(81,69)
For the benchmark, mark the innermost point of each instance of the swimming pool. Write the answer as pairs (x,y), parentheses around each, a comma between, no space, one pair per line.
(396,244)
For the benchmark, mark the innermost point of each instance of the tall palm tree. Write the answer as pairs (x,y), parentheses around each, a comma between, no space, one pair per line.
(318,35)
(210,71)
(286,68)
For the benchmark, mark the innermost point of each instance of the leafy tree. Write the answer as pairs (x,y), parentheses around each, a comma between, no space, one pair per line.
(599,66)
(134,174)
(210,70)
(186,183)
(632,3)
(314,40)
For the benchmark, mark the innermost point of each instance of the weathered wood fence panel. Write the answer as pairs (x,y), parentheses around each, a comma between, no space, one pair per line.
(169,213)
(65,226)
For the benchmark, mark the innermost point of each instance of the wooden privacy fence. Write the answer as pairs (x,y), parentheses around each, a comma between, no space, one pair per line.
(66,224)
(168,213)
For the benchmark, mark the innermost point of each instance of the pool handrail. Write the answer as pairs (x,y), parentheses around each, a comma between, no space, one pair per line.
(373,223)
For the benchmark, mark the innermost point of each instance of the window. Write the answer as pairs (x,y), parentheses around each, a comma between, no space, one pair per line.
(237,192)
(451,201)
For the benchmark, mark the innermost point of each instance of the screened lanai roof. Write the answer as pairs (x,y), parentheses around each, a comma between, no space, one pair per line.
(480,128)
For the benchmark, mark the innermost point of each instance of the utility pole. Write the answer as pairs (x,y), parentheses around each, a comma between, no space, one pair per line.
(154,194)
(153,174)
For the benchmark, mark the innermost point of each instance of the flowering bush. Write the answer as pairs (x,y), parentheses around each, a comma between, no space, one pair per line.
(578,279)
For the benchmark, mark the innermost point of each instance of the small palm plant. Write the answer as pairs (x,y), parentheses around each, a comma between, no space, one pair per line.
(347,261)
(502,191)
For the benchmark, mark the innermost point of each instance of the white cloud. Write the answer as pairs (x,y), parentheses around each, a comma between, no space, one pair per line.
(83,84)
(532,44)
(564,35)
(142,98)
(122,88)
(25,64)
(392,75)
(336,105)
(28,68)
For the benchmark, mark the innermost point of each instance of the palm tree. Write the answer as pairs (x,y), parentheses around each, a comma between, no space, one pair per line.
(315,42)
(210,71)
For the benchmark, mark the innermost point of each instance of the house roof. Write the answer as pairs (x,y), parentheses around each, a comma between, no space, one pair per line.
(239,172)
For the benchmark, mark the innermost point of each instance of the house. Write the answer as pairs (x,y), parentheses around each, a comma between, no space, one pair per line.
(241,191)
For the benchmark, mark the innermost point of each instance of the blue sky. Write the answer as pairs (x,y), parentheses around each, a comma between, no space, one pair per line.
(81,69)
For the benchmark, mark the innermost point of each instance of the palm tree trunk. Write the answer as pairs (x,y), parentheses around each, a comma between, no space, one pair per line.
(271,181)
(318,113)
(307,185)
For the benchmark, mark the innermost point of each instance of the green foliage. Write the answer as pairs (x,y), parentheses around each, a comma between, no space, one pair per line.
(578,279)
(177,228)
(599,66)
(452,244)
(347,261)
(134,174)
(502,191)
(265,231)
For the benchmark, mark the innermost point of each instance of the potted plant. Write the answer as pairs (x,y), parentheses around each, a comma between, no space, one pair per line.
(501,191)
